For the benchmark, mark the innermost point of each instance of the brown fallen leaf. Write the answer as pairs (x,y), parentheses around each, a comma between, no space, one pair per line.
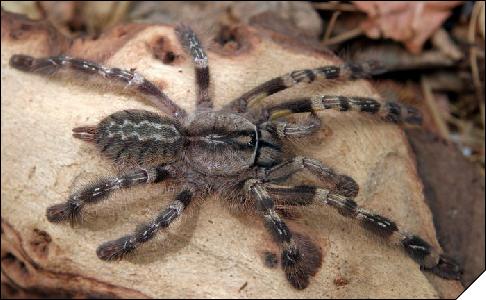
(411,23)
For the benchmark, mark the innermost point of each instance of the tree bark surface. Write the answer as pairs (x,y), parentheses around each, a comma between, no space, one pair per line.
(210,252)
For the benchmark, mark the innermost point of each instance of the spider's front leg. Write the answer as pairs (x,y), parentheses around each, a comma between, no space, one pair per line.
(417,248)
(286,130)
(389,111)
(300,258)
(48,66)
(116,249)
(193,46)
(101,189)
(343,184)
(349,71)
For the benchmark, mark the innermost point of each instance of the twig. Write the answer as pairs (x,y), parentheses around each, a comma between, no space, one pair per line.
(331,24)
(120,10)
(344,36)
(471,36)
(434,110)
(444,43)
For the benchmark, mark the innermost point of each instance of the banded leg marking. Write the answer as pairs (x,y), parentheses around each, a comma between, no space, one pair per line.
(300,258)
(100,190)
(290,130)
(418,249)
(193,46)
(131,79)
(343,184)
(272,86)
(389,111)
(116,249)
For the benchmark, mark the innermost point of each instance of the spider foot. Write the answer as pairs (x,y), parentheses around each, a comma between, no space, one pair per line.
(21,62)
(63,211)
(346,186)
(301,261)
(116,249)
(446,268)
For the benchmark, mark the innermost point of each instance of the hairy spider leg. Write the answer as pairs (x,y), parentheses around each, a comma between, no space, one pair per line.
(417,248)
(130,78)
(286,130)
(116,249)
(300,258)
(343,185)
(389,111)
(193,47)
(101,189)
(347,71)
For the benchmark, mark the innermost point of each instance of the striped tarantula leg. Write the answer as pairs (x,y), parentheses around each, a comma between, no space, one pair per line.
(347,71)
(418,249)
(341,184)
(389,111)
(100,190)
(192,46)
(300,258)
(116,249)
(76,66)
(292,130)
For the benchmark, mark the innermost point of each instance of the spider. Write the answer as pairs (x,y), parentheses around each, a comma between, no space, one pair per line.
(239,152)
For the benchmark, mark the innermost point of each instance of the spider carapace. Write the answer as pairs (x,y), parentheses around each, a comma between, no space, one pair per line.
(239,152)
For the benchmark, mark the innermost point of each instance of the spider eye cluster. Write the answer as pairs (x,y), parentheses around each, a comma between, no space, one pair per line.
(252,142)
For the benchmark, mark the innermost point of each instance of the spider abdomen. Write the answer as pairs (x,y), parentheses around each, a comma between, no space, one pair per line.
(139,137)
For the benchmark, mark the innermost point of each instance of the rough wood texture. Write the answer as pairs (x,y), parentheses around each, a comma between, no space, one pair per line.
(456,198)
(211,252)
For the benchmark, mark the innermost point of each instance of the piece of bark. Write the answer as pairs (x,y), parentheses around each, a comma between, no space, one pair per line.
(454,189)
(209,252)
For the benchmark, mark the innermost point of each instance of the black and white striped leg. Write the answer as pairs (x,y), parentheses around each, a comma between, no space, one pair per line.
(416,247)
(292,130)
(116,249)
(193,46)
(128,78)
(389,111)
(341,184)
(101,189)
(300,258)
(346,71)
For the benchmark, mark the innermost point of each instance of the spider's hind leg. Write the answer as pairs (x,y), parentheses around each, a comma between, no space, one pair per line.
(116,249)
(101,189)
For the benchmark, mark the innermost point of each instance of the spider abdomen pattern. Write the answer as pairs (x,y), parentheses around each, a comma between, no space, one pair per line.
(139,137)
(240,151)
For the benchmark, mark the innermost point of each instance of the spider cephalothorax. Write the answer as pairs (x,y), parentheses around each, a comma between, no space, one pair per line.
(237,152)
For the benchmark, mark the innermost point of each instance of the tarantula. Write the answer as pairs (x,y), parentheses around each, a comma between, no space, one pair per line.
(238,152)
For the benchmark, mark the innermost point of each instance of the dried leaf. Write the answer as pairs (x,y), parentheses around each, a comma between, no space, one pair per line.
(411,23)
